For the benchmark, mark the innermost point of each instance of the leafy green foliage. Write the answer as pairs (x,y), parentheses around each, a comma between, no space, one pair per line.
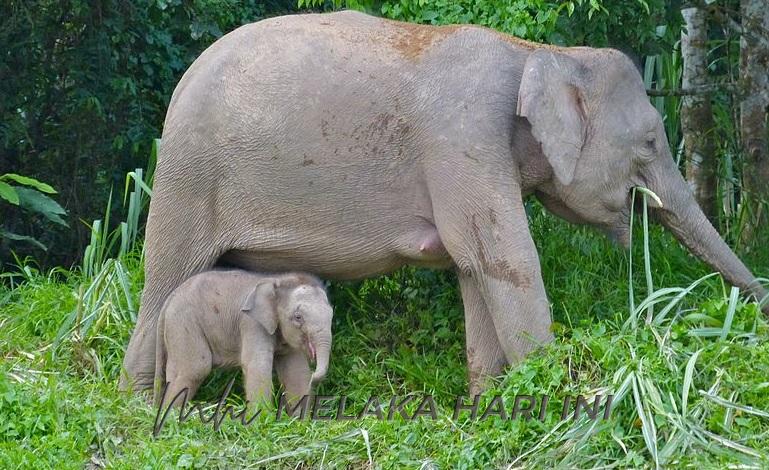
(403,334)
(628,25)
(106,297)
(84,88)
(535,20)
(29,194)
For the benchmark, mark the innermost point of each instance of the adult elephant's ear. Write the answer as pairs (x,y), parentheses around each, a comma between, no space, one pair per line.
(261,304)
(552,98)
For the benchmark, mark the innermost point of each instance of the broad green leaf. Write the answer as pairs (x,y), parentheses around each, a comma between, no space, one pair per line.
(22,238)
(701,317)
(8,193)
(429,15)
(36,201)
(27,181)
(138,180)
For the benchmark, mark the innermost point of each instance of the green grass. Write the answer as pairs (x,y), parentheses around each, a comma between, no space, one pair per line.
(683,394)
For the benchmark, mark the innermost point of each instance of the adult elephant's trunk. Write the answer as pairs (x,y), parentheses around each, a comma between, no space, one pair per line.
(682,215)
(322,351)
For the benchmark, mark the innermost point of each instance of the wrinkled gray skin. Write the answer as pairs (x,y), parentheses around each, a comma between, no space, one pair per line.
(347,146)
(236,318)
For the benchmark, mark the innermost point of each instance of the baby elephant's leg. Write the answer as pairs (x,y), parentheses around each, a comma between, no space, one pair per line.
(294,373)
(186,370)
(257,373)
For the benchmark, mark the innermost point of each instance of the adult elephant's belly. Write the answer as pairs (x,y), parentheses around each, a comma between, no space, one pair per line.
(318,136)
(344,258)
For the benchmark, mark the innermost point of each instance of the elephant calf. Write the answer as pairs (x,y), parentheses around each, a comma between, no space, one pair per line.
(230,318)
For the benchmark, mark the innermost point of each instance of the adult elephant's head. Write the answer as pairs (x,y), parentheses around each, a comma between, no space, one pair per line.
(589,110)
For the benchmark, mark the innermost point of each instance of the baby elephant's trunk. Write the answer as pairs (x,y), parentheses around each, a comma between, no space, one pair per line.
(322,351)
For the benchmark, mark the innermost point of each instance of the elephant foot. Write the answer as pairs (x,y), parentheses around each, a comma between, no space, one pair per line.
(138,372)
(137,382)
(483,366)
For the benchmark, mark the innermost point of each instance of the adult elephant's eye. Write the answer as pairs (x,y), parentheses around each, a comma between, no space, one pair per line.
(648,149)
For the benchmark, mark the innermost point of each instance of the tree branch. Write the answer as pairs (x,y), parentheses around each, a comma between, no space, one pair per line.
(696,90)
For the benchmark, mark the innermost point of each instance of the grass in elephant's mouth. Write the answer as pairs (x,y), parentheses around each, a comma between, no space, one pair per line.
(683,395)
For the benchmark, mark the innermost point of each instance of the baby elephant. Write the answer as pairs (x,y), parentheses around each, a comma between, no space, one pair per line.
(230,318)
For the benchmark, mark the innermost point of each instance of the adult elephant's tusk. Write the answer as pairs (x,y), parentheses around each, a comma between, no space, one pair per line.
(648,192)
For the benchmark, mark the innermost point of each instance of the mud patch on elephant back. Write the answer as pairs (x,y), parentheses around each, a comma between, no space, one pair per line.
(518,42)
(411,40)
(492,217)
(499,269)
(384,134)
(382,122)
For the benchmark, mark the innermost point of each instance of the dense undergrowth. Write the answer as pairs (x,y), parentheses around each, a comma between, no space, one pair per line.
(689,382)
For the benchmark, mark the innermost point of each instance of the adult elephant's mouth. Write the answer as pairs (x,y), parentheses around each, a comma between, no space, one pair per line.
(621,231)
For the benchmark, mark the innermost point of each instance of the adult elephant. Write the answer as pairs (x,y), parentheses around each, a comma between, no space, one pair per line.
(348,145)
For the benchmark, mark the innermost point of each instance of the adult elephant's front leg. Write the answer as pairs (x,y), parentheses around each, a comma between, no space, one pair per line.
(480,217)
(485,357)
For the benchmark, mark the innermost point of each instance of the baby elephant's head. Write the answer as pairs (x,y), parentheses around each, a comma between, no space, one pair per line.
(302,313)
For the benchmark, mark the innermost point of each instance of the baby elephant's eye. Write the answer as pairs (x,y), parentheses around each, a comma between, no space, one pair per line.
(297,317)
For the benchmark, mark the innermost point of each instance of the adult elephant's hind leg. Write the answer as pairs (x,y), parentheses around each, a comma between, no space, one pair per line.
(178,245)
(485,357)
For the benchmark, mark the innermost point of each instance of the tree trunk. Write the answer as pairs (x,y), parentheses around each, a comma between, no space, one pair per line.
(754,77)
(696,114)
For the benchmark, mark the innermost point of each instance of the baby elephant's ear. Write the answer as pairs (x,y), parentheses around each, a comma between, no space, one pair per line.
(261,303)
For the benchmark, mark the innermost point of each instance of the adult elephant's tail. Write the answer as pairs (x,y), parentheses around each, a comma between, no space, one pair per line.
(161,356)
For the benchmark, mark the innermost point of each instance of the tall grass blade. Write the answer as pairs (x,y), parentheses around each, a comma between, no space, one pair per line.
(648,430)
(706,332)
(647,254)
(664,312)
(631,295)
(731,444)
(657,297)
(647,261)
(734,296)
(733,405)
(688,376)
